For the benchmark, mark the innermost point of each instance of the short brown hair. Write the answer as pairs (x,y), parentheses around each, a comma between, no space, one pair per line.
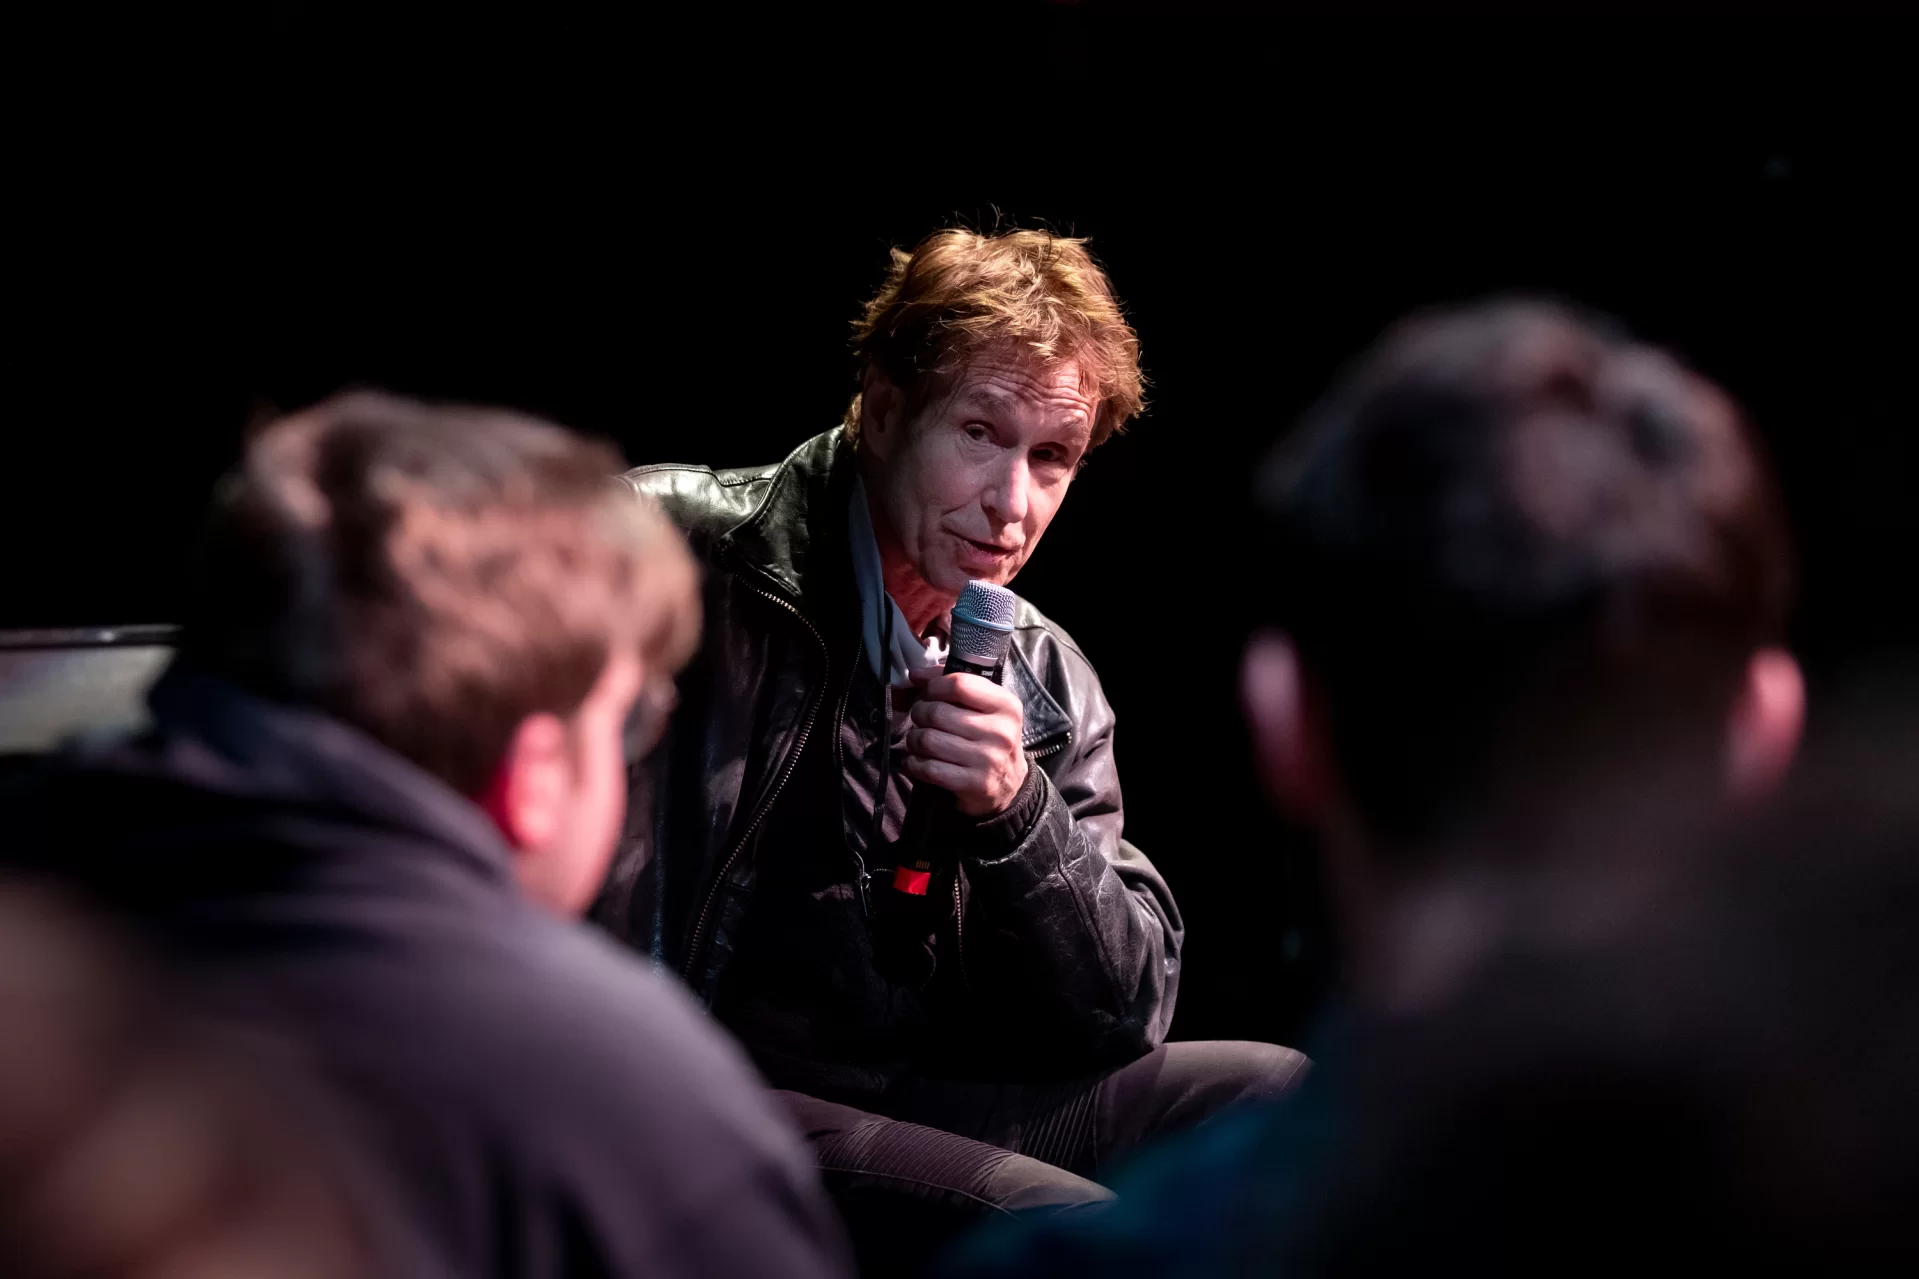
(433,575)
(1515,546)
(959,291)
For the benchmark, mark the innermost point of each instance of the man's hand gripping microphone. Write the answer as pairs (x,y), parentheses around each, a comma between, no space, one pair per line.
(982,633)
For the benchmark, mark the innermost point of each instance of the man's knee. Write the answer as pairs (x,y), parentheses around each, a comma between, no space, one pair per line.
(1230,1071)
(1021,1184)
(905,1190)
(1178,1086)
(865,1153)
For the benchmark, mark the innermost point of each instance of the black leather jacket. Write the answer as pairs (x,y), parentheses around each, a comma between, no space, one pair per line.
(1068,938)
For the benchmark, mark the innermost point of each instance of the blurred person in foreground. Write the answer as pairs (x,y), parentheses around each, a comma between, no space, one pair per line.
(991,1038)
(138,1144)
(1720,1075)
(386,773)
(1527,584)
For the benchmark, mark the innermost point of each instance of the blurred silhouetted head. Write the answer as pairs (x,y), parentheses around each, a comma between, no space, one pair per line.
(469,587)
(1521,563)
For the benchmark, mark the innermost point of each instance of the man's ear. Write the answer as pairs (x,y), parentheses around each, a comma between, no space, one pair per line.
(1289,738)
(527,799)
(882,412)
(1768,718)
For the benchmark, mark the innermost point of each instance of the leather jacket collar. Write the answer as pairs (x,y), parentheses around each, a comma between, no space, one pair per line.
(788,533)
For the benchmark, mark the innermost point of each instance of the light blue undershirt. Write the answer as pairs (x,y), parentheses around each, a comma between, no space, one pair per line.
(909,653)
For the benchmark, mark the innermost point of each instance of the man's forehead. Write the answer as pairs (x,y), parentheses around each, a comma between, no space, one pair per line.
(1001,381)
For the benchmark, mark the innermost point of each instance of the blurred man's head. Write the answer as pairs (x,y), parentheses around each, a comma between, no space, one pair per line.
(470,588)
(991,364)
(1529,581)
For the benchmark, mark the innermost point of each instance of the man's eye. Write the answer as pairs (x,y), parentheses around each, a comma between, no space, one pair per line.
(975,430)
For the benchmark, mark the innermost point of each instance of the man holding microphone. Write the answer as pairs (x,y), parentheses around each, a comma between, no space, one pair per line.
(964,1002)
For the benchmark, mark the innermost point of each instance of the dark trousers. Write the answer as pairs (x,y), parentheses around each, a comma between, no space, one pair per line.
(951,1153)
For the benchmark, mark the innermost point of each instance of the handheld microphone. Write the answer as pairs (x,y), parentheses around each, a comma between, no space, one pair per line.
(982,630)
(981,634)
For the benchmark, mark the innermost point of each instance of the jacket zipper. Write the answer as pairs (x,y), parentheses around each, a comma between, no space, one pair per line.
(959,932)
(693,951)
(864,882)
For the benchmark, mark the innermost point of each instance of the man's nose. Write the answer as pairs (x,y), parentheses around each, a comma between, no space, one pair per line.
(1006,500)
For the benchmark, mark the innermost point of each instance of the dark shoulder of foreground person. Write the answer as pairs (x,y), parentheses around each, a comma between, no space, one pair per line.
(622,1098)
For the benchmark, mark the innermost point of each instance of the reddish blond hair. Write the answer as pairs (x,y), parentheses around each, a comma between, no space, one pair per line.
(959,291)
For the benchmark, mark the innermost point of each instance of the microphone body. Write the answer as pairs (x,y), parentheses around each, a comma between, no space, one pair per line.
(982,634)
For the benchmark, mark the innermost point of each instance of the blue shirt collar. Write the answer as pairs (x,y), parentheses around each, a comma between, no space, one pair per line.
(909,652)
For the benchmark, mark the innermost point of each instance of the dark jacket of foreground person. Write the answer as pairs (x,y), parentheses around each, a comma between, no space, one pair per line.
(1057,948)
(536,1102)
(1720,1075)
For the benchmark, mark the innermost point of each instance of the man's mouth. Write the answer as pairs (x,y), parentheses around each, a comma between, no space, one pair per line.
(989,548)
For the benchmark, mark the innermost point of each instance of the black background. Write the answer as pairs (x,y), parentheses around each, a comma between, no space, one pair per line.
(657,228)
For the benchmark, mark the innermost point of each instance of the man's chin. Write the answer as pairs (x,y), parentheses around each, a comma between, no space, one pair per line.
(999,576)
(948,578)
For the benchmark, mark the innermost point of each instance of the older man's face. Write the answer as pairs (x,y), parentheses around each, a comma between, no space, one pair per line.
(970,485)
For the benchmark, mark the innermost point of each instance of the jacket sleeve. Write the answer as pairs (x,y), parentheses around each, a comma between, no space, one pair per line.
(1067,934)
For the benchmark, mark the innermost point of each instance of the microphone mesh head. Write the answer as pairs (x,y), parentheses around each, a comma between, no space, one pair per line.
(983,623)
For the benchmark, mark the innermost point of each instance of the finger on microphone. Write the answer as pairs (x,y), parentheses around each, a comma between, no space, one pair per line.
(950,717)
(939,773)
(973,692)
(927,743)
